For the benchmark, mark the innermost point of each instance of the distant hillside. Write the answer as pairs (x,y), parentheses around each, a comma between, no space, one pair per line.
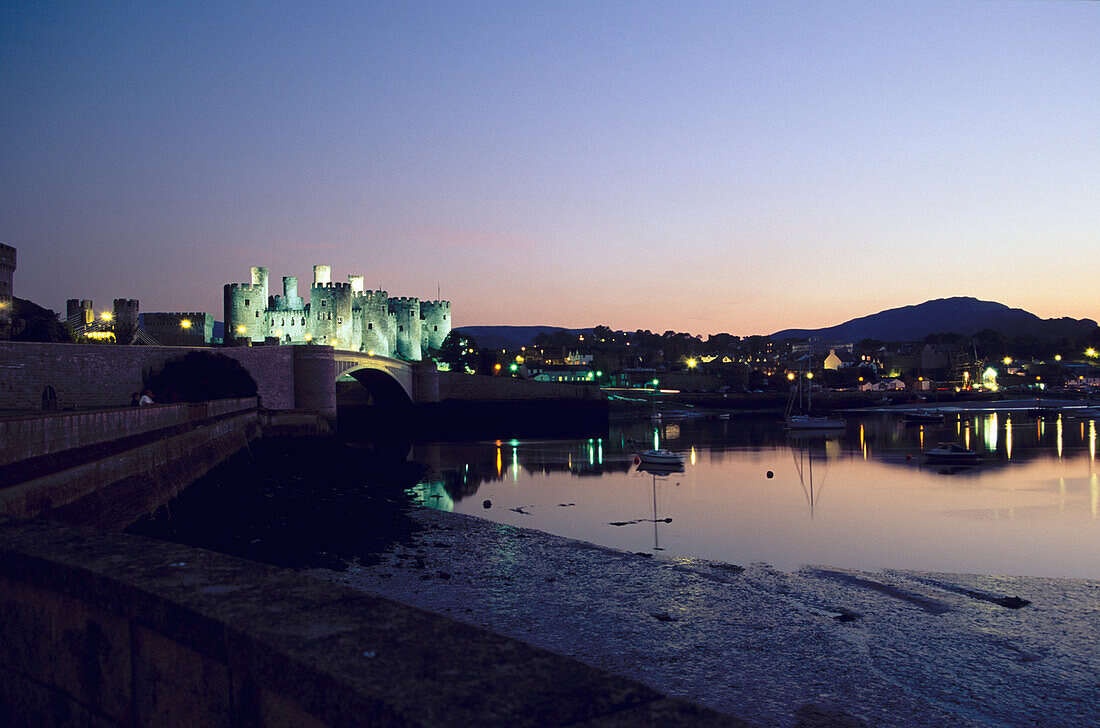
(510,337)
(958,315)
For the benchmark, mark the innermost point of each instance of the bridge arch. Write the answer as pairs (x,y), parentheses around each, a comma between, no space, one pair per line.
(380,380)
(375,387)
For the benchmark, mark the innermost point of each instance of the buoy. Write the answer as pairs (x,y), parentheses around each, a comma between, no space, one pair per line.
(771,474)
(487,504)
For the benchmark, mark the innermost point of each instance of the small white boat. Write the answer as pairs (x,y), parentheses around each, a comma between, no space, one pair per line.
(951,453)
(660,457)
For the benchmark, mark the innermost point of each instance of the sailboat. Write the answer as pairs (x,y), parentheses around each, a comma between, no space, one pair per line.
(806,420)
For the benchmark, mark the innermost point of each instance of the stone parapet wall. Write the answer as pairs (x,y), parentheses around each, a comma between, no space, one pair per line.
(23,437)
(100,375)
(112,483)
(117,631)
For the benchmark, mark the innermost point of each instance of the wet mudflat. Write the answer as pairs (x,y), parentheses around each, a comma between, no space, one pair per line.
(816,646)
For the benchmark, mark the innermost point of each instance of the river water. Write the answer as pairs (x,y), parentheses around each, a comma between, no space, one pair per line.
(862,498)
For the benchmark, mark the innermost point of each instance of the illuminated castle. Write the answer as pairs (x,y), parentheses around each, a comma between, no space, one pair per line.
(343,315)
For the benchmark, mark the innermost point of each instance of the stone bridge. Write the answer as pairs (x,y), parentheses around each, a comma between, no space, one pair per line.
(287,377)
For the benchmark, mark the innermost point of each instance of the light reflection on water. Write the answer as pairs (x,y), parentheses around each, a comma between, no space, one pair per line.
(860,499)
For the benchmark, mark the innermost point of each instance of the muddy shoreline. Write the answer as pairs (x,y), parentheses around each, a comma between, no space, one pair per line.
(818,646)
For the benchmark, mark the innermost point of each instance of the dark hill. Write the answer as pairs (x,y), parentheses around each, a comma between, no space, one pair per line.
(510,337)
(960,315)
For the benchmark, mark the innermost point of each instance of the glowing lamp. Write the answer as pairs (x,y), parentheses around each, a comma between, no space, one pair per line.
(186,324)
(106,315)
(241,329)
(790,376)
(691,363)
(1008,360)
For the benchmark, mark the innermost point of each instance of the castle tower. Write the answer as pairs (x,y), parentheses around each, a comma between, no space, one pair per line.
(407,312)
(322,274)
(375,333)
(291,300)
(356,283)
(125,320)
(435,319)
(7,302)
(259,278)
(79,313)
(244,308)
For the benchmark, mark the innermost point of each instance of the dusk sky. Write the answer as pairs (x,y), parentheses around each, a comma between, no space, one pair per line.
(703,167)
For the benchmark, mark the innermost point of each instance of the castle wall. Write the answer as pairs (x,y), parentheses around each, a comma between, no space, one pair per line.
(289,326)
(343,315)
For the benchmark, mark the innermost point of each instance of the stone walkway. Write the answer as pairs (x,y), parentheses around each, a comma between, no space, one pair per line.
(819,647)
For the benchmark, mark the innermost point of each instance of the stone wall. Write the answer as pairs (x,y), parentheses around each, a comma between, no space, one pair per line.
(456,386)
(24,437)
(117,631)
(110,468)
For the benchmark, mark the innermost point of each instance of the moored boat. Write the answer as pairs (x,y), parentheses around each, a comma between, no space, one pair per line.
(951,453)
(814,422)
(660,457)
(935,416)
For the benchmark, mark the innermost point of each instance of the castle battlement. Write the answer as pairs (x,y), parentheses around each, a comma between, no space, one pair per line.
(359,319)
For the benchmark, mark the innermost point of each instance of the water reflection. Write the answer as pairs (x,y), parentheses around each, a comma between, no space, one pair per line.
(1030,507)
